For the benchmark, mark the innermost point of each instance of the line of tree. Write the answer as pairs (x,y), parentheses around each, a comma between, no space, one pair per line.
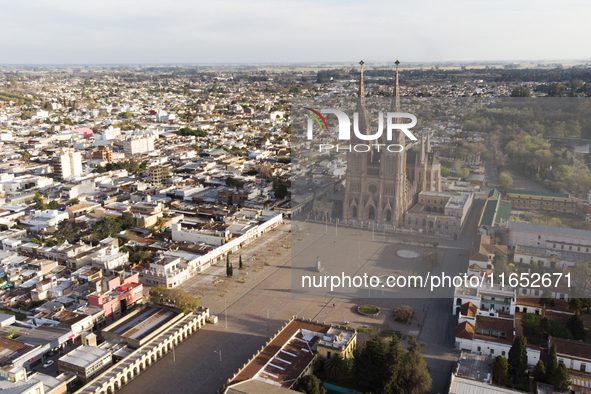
(131,166)
(554,373)
(186,131)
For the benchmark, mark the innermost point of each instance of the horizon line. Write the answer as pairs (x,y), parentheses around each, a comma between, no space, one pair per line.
(434,62)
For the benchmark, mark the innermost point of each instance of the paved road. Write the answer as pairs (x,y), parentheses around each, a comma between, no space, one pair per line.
(438,330)
(259,302)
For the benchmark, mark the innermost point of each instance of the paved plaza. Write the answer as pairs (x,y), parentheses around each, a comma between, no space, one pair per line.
(258,300)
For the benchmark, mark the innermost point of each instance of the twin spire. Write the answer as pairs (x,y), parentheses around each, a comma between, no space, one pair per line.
(395,106)
(396,100)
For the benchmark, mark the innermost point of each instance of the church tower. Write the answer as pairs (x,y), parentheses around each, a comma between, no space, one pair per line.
(377,189)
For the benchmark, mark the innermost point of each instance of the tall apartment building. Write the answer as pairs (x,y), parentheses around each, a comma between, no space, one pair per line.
(67,163)
(138,145)
(158,174)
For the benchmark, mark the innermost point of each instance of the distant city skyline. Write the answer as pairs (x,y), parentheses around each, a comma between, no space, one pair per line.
(264,31)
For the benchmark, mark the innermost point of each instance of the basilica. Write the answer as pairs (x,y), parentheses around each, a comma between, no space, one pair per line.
(382,186)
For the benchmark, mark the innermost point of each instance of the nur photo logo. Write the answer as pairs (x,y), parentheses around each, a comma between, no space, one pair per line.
(394,121)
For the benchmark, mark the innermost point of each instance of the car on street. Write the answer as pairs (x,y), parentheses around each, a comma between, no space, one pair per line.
(48,363)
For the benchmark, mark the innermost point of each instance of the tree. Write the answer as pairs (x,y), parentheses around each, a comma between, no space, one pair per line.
(518,356)
(561,379)
(376,367)
(520,91)
(73,201)
(281,191)
(500,371)
(184,302)
(557,329)
(581,274)
(414,374)
(576,326)
(500,263)
(547,299)
(505,180)
(403,312)
(432,259)
(137,254)
(67,232)
(575,305)
(228,265)
(12,333)
(156,294)
(310,384)
(464,172)
(240,262)
(266,172)
(127,221)
(231,270)
(335,366)
(545,325)
(530,324)
(552,366)
(539,372)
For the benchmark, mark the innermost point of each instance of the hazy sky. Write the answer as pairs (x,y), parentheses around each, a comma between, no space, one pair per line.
(261,31)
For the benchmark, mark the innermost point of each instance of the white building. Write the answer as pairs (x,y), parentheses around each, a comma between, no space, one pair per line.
(68,164)
(138,145)
(48,218)
(171,270)
(111,260)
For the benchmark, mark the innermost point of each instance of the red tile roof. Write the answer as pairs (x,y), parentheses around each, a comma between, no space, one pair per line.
(572,348)
(469,309)
(465,330)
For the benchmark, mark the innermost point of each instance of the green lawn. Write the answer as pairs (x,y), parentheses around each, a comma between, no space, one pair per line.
(364,330)
(368,309)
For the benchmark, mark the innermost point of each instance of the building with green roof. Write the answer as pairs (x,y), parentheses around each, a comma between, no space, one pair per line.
(544,201)
(494,210)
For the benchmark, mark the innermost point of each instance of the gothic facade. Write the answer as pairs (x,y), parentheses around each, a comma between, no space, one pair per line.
(382,186)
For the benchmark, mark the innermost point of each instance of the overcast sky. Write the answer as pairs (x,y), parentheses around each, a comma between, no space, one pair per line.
(275,31)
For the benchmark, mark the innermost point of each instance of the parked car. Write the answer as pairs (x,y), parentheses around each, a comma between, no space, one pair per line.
(48,363)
